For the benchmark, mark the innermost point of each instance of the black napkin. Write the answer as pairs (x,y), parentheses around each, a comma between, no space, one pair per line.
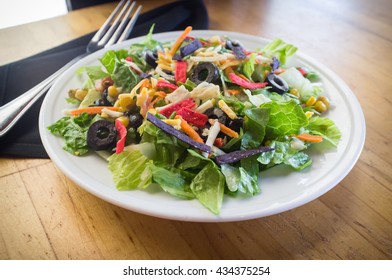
(17,77)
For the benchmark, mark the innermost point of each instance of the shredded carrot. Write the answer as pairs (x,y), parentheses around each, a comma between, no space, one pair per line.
(234,91)
(180,39)
(188,129)
(92,110)
(228,70)
(228,131)
(309,138)
(160,94)
(146,84)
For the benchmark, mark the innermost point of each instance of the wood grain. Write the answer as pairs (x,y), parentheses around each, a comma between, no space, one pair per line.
(44,215)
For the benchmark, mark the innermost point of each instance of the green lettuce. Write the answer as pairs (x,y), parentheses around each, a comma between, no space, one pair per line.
(279,49)
(93,73)
(239,180)
(255,122)
(171,180)
(130,170)
(124,77)
(208,183)
(74,132)
(148,43)
(286,118)
(208,187)
(296,80)
(326,128)
(249,65)
(284,154)
(111,58)
(167,147)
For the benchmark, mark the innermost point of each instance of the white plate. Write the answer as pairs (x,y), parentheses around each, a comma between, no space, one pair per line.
(282,188)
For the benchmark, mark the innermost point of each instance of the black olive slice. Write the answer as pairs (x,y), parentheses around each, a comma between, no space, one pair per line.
(236,124)
(277,84)
(205,72)
(217,113)
(135,120)
(151,57)
(101,135)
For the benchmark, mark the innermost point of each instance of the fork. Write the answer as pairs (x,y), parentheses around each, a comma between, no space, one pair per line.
(116,28)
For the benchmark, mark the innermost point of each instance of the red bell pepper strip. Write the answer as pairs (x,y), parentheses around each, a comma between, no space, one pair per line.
(122,132)
(218,142)
(187,103)
(165,84)
(180,73)
(193,117)
(303,71)
(244,83)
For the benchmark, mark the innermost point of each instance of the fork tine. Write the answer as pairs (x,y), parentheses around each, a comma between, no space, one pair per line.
(120,28)
(106,24)
(130,25)
(114,25)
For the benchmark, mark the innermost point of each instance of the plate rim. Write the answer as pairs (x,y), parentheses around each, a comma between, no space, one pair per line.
(338,83)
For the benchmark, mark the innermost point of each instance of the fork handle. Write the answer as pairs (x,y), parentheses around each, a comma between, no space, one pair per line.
(11,112)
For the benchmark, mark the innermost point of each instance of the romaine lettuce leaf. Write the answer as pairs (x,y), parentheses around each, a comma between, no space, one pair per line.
(91,96)
(171,180)
(93,73)
(279,49)
(239,180)
(295,79)
(256,99)
(168,148)
(109,60)
(124,77)
(286,118)
(208,187)
(193,161)
(249,65)
(283,154)
(130,170)
(255,122)
(147,43)
(74,132)
(326,128)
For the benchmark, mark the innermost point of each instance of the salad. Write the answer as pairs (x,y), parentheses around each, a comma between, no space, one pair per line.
(200,117)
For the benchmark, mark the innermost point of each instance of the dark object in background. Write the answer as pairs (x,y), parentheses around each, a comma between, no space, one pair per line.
(19,76)
(79,4)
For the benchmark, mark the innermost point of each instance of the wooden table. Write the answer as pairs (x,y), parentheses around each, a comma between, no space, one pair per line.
(44,215)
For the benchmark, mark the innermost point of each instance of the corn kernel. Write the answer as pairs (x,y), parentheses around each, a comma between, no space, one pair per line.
(124,120)
(71,93)
(125,101)
(311,101)
(309,114)
(294,92)
(113,91)
(215,39)
(104,115)
(320,107)
(325,100)
(80,94)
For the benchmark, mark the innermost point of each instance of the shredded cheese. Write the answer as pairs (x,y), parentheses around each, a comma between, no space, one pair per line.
(212,134)
(225,108)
